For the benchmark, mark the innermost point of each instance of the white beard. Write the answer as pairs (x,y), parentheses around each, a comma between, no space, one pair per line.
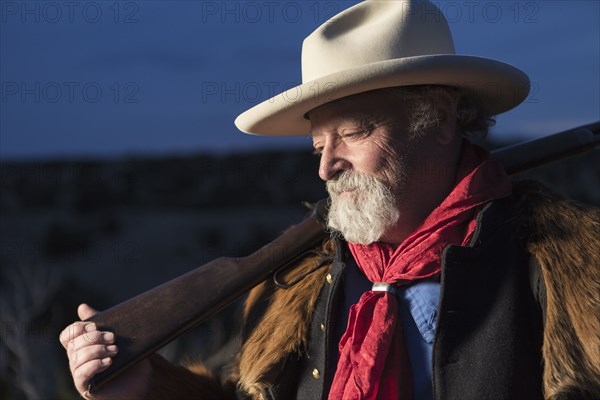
(363,215)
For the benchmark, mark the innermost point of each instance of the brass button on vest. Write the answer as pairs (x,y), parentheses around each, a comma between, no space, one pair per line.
(316,373)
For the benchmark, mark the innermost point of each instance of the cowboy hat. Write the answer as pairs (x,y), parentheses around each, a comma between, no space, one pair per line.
(380,44)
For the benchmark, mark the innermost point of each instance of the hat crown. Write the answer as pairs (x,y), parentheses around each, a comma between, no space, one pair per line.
(375,31)
(381,44)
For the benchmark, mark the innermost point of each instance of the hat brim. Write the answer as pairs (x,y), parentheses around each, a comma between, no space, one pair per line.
(497,87)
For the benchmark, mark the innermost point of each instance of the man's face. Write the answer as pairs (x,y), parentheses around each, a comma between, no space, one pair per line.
(367,159)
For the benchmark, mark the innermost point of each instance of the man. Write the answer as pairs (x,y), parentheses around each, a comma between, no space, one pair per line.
(441,279)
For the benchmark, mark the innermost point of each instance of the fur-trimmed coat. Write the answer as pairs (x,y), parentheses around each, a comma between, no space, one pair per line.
(563,239)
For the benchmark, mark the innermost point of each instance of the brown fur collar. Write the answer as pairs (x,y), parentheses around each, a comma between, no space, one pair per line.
(281,328)
(562,235)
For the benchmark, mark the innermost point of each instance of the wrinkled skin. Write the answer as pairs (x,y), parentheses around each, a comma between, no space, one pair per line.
(90,351)
(369,133)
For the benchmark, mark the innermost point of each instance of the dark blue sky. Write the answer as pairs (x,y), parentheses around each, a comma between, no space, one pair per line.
(114,78)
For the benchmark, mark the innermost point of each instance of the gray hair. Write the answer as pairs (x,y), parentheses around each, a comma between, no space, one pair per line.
(426,109)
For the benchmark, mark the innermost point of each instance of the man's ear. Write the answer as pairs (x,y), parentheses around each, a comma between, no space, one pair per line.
(447,132)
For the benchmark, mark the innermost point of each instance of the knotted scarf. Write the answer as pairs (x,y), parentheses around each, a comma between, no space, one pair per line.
(373,360)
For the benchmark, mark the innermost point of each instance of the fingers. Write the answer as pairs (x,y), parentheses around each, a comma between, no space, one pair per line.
(84,311)
(85,372)
(89,350)
(88,339)
(71,332)
(80,331)
(90,353)
(76,329)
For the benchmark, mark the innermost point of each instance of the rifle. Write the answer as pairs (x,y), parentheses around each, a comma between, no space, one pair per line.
(534,153)
(190,299)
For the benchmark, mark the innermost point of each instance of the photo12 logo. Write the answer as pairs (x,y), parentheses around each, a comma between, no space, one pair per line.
(53,12)
(68,92)
(517,12)
(254,92)
(226,12)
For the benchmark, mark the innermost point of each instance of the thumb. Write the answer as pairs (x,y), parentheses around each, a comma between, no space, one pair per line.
(84,311)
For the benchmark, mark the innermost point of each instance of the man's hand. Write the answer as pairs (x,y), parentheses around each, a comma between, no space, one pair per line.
(90,351)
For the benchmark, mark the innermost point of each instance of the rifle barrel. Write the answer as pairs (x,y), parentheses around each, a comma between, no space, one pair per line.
(534,153)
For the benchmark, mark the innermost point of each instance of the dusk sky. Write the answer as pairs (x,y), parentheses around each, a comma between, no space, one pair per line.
(120,78)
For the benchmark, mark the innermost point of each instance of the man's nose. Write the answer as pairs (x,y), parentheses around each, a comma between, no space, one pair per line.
(332,162)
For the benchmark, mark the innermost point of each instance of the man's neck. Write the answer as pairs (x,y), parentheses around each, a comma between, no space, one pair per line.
(416,208)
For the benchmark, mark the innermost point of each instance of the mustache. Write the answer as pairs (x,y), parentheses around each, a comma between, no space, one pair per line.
(350,180)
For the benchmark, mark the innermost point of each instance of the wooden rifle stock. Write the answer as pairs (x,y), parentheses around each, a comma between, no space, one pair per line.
(152,319)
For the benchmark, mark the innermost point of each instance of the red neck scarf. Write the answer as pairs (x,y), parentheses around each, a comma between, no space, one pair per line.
(373,361)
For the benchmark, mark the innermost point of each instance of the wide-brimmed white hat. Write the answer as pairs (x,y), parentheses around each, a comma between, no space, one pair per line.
(379,44)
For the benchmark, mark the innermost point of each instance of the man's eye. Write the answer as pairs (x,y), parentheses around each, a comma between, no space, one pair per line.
(356,134)
(317,152)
